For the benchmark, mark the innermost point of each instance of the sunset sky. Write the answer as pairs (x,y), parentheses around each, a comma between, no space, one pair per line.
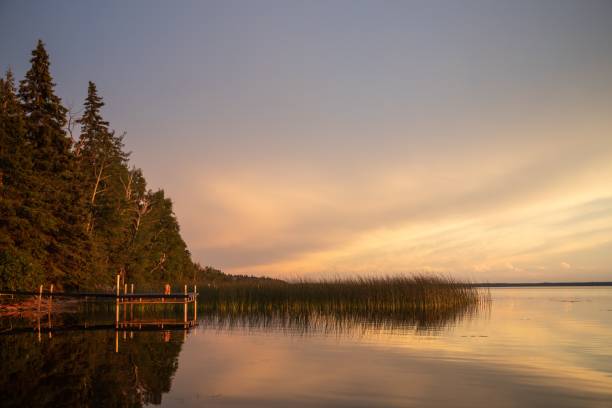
(332,138)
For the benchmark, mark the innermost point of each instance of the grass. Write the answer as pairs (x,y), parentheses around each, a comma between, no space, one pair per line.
(427,302)
(416,292)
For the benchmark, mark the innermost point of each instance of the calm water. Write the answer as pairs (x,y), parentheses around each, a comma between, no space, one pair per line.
(541,347)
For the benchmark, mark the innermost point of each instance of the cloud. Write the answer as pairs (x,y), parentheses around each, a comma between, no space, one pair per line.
(394,218)
(465,198)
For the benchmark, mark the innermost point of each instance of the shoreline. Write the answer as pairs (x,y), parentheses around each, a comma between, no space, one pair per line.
(541,284)
(29,307)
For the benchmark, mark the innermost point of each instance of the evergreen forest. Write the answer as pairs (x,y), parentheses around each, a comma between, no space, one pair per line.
(74,212)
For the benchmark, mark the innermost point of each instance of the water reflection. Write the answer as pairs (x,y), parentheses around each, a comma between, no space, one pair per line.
(529,347)
(343,322)
(81,368)
(80,359)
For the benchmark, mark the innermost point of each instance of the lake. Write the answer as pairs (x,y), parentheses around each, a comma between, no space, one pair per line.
(530,347)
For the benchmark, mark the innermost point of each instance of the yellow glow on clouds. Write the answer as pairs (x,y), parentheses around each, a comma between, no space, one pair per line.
(500,212)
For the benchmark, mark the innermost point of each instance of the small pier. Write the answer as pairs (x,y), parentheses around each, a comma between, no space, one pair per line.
(130,299)
(130,308)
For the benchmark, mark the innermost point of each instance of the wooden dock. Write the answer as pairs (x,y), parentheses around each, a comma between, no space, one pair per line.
(124,300)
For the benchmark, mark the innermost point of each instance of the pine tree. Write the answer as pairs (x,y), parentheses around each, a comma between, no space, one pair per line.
(59,214)
(102,163)
(101,156)
(45,113)
(12,132)
(18,237)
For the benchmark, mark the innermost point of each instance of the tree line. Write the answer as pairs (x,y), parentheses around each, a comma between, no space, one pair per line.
(73,211)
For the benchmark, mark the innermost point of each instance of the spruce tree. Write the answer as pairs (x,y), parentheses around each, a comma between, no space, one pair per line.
(19,239)
(60,211)
(46,115)
(101,158)
(13,156)
(102,164)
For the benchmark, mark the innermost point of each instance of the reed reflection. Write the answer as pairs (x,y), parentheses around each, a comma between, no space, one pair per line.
(341,324)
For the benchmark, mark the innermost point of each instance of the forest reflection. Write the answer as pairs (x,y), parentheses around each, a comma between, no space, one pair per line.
(81,368)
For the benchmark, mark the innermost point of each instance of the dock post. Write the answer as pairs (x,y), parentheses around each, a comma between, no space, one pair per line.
(117,307)
(195,303)
(50,308)
(185,306)
(38,314)
(39,297)
(132,303)
(123,300)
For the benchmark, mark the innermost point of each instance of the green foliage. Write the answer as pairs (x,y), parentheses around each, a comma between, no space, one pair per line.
(157,251)
(20,241)
(19,269)
(76,214)
(50,203)
(101,162)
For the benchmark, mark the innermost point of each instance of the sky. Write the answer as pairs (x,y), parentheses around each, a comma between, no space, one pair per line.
(342,138)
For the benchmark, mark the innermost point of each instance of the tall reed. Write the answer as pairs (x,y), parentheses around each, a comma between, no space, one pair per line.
(430,300)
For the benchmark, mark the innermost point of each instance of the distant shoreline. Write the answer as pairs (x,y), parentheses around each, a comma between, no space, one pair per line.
(539,284)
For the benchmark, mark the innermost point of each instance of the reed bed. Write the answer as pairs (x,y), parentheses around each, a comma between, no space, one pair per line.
(365,297)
